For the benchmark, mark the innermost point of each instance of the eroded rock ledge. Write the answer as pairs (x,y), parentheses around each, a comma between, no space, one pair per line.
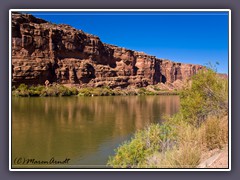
(59,53)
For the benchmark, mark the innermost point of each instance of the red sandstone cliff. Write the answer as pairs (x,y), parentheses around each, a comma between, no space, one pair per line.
(59,53)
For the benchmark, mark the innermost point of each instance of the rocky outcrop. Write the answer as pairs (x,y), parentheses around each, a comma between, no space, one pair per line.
(59,53)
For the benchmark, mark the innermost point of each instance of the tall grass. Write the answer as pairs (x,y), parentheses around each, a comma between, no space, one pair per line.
(200,126)
(215,132)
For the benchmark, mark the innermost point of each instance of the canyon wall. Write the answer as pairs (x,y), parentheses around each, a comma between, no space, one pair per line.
(59,53)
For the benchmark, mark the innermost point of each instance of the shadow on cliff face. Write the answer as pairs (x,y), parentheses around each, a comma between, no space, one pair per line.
(88,74)
(62,54)
(163,79)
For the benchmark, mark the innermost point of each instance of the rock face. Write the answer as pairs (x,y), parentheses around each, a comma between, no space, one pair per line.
(59,53)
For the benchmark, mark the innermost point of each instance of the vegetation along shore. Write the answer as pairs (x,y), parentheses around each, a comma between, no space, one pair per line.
(56,60)
(60,90)
(182,140)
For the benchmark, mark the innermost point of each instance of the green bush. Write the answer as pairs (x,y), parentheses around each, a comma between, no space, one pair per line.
(144,91)
(22,91)
(50,91)
(180,140)
(207,95)
(36,90)
(74,91)
(107,92)
(22,87)
(133,153)
(85,92)
(40,90)
(103,91)
(63,91)
(129,155)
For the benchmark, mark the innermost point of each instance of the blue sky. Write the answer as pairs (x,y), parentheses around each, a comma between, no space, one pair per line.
(188,37)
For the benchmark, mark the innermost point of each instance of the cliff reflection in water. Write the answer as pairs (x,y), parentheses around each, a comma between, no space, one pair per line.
(79,127)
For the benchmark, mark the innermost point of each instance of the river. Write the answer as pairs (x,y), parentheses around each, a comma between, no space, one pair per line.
(85,130)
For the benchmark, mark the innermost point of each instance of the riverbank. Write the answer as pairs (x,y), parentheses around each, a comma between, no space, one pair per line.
(55,90)
(217,158)
(174,144)
(87,127)
(201,126)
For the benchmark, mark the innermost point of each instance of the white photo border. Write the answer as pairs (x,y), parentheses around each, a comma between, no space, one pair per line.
(119,10)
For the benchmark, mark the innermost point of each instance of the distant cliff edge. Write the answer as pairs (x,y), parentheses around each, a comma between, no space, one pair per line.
(59,53)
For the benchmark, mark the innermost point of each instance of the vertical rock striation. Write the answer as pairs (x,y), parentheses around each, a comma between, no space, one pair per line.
(59,53)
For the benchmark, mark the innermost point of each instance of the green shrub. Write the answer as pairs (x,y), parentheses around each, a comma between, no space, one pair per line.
(181,139)
(52,91)
(129,154)
(40,90)
(63,91)
(74,91)
(141,91)
(155,138)
(85,92)
(144,91)
(36,90)
(22,91)
(207,95)
(22,87)
(103,91)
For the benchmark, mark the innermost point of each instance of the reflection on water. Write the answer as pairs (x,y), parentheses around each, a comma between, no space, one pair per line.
(84,129)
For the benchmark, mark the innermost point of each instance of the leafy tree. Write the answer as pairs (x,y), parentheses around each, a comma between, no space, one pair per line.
(206,95)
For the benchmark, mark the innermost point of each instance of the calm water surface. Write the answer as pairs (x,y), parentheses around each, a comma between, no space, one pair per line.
(84,129)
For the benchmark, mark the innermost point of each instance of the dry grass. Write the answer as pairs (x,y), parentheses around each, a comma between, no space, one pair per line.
(186,154)
(215,132)
(192,143)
